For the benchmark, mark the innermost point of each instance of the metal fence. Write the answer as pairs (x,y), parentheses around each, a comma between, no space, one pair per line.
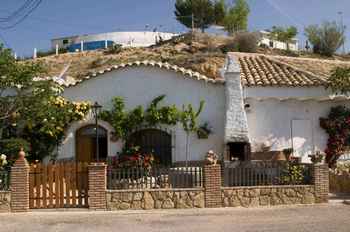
(154,178)
(267,173)
(4,180)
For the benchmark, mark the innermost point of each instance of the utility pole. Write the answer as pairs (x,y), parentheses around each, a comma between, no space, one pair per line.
(192,22)
(340,13)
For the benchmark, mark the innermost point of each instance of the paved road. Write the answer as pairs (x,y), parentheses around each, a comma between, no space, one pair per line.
(295,218)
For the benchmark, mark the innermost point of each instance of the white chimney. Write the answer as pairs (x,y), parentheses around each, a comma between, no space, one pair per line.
(236,128)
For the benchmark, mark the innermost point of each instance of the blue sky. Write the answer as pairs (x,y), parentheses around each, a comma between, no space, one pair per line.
(69,17)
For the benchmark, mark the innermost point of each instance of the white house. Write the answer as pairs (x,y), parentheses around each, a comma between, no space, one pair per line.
(260,100)
(126,39)
(271,43)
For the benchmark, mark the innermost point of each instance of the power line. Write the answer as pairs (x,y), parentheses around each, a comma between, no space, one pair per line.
(33,5)
(17,12)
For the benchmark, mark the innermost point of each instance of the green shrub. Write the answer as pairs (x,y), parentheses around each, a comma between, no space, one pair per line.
(114,49)
(11,147)
(246,42)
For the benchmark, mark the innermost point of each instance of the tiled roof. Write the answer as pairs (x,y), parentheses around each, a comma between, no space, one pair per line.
(256,70)
(167,66)
(261,70)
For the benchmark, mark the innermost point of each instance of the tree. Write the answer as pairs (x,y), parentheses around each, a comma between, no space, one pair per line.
(219,12)
(326,38)
(339,81)
(236,18)
(284,34)
(189,122)
(32,114)
(200,11)
(17,88)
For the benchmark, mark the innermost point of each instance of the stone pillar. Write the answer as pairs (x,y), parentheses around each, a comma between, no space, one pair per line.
(212,186)
(20,184)
(321,182)
(97,186)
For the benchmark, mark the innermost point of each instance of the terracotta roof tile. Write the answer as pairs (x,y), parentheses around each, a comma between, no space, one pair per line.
(261,70)
(186,72)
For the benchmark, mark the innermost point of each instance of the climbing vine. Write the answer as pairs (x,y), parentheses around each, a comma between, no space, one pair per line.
(337,126)
(125,122)
(339,80)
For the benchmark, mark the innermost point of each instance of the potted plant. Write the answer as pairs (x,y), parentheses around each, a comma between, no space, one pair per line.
(204,131)
(317,158)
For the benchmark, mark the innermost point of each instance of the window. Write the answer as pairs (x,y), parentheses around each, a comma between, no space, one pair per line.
(65,41)
(271,44)
(153,141)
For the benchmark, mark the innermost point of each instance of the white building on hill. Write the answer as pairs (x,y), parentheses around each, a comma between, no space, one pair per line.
(127,39)
(266,40)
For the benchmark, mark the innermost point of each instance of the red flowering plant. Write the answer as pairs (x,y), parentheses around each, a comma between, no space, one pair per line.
(337,126)
(133,157)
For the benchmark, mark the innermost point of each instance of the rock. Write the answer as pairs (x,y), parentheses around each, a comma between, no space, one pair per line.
(228,193)
(161,195)
(226,202)
(264,200)
(170,194)
(254,192)
(158,204)
(168,204)
(290,192)
(240,193)
(148,202)
(138,196)
(275,200)
(265,191)
(182,204)
(198,200)
(192,194)
(254,202)
(235,202)
(183,195)
(126,197)
(181,47)
(308,199)
(124,206)
(136,205)
(245,201)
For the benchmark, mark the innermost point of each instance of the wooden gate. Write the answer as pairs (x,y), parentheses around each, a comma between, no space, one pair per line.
(61,185)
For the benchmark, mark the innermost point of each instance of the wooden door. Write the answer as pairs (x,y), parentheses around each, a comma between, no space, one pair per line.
(86,144)
(85,149)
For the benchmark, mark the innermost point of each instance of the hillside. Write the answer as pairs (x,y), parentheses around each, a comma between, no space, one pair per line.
(202,53)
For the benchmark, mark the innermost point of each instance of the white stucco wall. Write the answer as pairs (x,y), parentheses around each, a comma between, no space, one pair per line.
(139,86)
(293,46)
(273,111)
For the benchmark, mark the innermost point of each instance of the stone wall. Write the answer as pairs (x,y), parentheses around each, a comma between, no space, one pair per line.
(267,196)
(5,199)
(155,199)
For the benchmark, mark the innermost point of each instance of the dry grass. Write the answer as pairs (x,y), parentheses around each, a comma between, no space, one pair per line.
(200,52)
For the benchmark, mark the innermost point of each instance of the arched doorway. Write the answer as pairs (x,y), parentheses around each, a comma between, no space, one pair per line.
(153,140)
(86,144)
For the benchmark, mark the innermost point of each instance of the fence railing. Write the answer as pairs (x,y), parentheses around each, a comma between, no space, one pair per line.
(154,178)
(4,180)
(267,173)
